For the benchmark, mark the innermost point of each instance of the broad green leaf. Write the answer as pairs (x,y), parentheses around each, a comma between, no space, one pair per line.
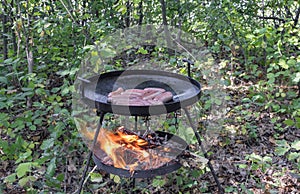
(242,166)
(47,144)
(260,31)
(55,90)
(3,80)
(96,177)
(250,36)
(10,178)
(23,181)
(218,101)
(23,168)
(32,127)
(271,77)
(142,51)
(297,78)
(122,8)
(116,178)
(267,159)
(52,166)
(282,63)
(282,143)
(60,177)
(281,150)
(293,156)
(229,189)
(296,145)
(24,156)
(158,182)
(246,100)
(254,157)
(289,122)
(65,91)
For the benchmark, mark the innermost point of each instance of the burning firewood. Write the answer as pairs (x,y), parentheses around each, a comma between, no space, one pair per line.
(129,150)
(152,139)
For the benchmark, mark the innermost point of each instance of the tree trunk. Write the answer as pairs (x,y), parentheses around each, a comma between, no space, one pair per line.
(180,15)
(29,54)
(83,21)
(141,15)
(165,23)
(127,17)
(13,32)
(164,12)
(4,34)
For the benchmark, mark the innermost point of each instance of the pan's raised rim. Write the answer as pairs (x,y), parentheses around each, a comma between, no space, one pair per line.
(103,106)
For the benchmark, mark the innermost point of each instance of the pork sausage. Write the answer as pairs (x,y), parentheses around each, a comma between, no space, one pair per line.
(155,89)
(129,103)
(164,97)
(155,102)
(136,91)
(122,97)
(116,92)
(151,95)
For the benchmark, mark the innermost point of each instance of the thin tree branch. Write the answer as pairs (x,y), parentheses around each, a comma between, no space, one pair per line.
(271,18)
(70,14)
(85,32)
(297,17)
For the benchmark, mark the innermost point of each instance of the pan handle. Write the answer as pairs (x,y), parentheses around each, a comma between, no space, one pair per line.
(81,86)
(189,63)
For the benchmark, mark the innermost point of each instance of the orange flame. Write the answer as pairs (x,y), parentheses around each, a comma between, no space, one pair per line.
(128,151)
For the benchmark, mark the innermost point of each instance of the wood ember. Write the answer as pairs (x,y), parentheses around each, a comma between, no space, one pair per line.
(139,97)
(152,138)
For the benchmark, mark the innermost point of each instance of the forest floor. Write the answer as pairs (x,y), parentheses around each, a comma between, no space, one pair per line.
(245,162)
(251,154)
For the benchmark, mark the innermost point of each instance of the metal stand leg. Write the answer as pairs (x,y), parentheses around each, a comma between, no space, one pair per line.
(91,151)
(220,189)
(132,186)
(135,123)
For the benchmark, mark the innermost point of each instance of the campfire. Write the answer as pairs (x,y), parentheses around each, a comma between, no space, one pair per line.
(134,151)
(128,150)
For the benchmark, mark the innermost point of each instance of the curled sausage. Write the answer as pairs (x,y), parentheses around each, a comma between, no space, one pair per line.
(131,103)
(155,89)
(164,97)
(116,92)
(131,93)
(123,96)
(152,95)
(155,102)
(136,91)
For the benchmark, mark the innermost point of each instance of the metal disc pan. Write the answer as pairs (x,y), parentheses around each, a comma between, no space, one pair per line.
(186,91)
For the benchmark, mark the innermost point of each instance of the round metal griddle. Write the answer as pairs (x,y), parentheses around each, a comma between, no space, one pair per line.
(186,91)
(165,169)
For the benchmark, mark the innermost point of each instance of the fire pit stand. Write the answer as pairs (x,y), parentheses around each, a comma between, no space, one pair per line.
(110,82)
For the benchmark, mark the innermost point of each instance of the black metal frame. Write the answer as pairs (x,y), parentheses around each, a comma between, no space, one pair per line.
(101,114)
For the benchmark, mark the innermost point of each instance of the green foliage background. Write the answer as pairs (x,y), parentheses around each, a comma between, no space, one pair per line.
(256,44)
